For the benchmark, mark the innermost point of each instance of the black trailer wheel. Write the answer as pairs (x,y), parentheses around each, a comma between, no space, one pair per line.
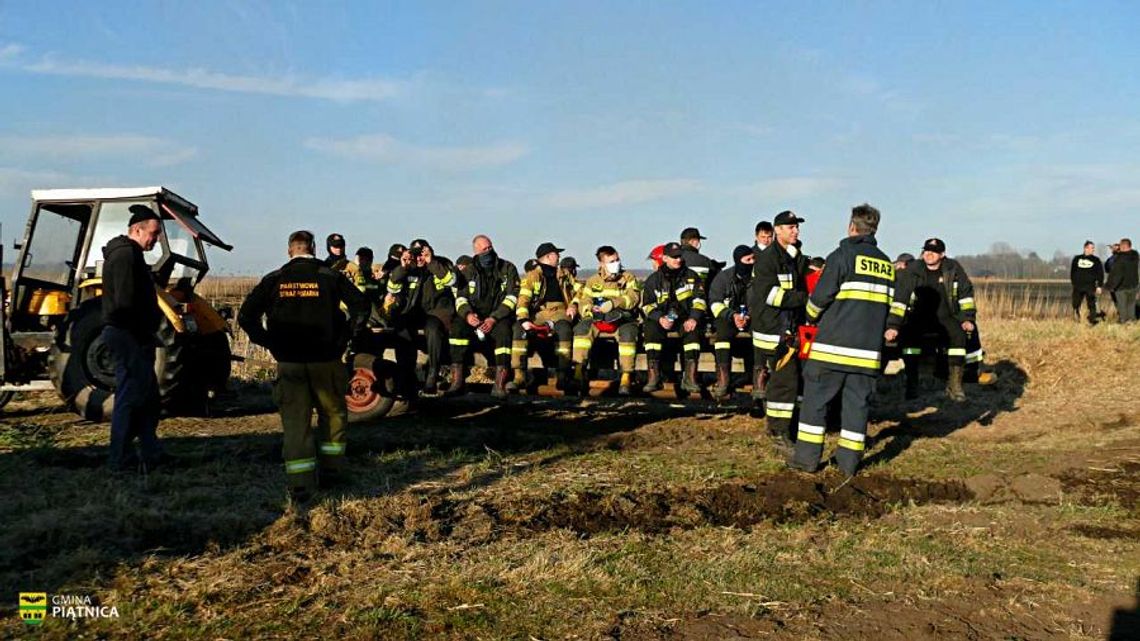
(365,402)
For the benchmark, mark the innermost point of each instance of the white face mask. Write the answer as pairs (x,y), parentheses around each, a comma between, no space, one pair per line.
(613,267)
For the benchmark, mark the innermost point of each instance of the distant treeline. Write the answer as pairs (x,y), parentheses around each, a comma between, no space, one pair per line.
(1003,261)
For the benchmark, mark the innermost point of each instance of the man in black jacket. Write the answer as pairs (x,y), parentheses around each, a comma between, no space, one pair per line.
(940,315)
(485,310)
(1123,280)
(728,302)
(337,260)
(422,292)
(777,299)
(132,316)
(1087,276)
(673,300)
(850,303)
(306,331)
(704,266)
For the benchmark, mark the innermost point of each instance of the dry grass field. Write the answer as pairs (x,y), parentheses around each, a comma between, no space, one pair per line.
(1013,515)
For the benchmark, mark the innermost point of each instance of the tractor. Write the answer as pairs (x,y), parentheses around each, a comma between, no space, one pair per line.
(52,316)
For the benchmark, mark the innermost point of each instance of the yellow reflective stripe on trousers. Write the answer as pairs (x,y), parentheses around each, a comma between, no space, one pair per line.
(692,347)
(765,341)
(502,350)
(328,448)
(459,341)
(582,342)
(722,345)
(956,351)
(810,433)
(627,349)
(300,465)
(852,440)
(653,346)
(774,409)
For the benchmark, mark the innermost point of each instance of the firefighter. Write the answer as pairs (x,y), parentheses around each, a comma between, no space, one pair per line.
(940,315)
(363,274)
(704,266)
(608,302)
(424,286)
(778,296)
(484,312)
(546,304)
(569,266)
(764,233)
(728,302)
(850,305)
(336,260)
(306,331)
(673,300)
(1087,276)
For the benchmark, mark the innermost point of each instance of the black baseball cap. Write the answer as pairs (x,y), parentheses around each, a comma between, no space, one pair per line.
(546,248)
(672,250)
(396,251)
(568,263)
(934,245)
(690,233)
(787,218)
(365,252)
(335,240)
(141,213)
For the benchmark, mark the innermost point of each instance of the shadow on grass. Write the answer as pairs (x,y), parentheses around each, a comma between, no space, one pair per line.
(69,522)
(983,405)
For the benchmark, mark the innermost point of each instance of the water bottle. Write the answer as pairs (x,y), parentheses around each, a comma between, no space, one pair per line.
(479,334)
(672,316)
(743,310)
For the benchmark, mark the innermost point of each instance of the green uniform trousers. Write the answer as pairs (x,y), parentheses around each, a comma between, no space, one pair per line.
(302,388)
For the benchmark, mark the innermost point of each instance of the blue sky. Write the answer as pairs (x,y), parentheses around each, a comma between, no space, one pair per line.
(584,123)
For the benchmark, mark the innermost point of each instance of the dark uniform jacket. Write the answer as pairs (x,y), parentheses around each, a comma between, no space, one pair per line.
(490,292)
(953,302)
(534,291)
(906,282)
(851,303)
(705,267)
(1123,274)
(129,299)
(301,306)
(1086,273)
(679,291)
(778,296)
(429,288)
(728,292)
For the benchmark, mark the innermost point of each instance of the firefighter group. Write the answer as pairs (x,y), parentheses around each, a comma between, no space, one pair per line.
(815,333)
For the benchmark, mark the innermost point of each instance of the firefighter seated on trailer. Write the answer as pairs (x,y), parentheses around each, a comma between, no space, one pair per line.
(728,302)
(608,305)
(674,300)
(546,309)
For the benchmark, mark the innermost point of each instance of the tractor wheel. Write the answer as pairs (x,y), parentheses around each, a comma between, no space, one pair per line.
(83,370)
(5,398)
(364,402)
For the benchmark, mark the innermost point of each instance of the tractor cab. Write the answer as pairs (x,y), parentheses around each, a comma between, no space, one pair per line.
(57,283)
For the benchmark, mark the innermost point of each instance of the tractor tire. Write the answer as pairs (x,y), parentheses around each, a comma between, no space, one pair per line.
(83,371)
(364,402)
(5,398)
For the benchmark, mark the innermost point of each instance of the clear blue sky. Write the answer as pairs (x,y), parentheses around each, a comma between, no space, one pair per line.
(584,123)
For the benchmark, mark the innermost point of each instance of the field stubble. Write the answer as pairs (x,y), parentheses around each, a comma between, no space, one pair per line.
(1013,515)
